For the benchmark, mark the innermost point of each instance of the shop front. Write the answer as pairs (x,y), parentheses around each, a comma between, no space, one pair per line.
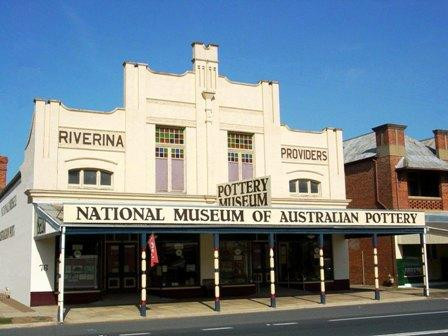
(223,252)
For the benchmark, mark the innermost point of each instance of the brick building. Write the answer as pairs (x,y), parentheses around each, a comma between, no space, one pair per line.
(386,169)
(3,171)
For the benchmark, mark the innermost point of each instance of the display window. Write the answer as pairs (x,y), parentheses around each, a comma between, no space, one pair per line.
(234,262)
(81,263)
(298,258)
(178,261)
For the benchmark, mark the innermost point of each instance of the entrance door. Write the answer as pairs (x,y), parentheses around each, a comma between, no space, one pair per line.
(260,262)
(290,266)
(121,270)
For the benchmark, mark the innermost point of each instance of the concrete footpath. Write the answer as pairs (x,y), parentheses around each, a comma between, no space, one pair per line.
(13,314)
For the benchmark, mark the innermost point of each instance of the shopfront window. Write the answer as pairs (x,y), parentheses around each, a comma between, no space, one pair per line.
(298,257)
(178,261)
(234,262)
(81,263)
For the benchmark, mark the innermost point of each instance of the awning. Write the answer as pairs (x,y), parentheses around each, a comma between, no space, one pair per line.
(143,218)
(437,223)
(48,220)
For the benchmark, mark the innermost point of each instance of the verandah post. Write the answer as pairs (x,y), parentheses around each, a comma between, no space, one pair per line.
(61,277)
(216,267)
(375,266)
(143,270)
(272,269)
(322,269)
(424,264)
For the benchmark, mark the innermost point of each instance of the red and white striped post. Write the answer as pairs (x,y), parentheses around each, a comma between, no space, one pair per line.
(143,274)
(216,268)
(322,269)
(375,266)
(424,264)
(272,270)
(61,277)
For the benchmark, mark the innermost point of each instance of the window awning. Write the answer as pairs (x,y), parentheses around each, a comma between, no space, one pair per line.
(437,223)
(48,221)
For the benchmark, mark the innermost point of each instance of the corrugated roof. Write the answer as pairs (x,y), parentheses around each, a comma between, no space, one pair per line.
(419,154)
(360,148)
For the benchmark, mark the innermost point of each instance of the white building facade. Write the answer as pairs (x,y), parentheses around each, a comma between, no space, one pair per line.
(176,138)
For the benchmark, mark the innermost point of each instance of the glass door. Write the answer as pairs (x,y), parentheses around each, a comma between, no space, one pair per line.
(260,263)
(121,266)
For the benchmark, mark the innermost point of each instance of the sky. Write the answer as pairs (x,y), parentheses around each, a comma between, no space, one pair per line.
(347,64)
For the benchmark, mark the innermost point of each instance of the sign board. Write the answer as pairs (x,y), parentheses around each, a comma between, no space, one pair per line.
(7,233)
(40,226)
(295,154)
(11,204)
(91,139)
(96,214)
(246,193)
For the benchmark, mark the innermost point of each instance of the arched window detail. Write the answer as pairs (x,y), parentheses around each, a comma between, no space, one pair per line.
(90,178)
(304,187)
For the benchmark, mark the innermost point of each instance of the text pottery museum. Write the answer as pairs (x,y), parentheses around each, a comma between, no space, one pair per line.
(238,203)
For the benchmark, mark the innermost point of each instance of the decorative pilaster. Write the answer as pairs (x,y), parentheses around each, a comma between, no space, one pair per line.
(322,269)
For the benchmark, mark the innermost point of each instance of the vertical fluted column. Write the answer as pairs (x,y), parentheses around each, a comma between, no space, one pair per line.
(61,276)
(424,264)
(143,272)
(272,269)
(322,269)
(216,267)
(375,266)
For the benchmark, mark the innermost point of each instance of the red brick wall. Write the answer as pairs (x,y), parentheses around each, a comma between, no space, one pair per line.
(444,190)
(360,185)
(3,171)
(362,248)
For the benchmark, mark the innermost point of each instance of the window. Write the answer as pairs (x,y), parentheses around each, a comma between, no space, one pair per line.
(240,156)
(424,184)
(89,178)
(304,187)
(169,154)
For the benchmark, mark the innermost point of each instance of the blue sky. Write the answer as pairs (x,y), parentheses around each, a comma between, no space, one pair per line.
(347,64)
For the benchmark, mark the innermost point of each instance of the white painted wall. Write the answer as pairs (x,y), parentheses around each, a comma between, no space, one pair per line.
(15,252)
(208,105)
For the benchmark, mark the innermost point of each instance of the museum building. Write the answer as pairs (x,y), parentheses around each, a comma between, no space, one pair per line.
(236,200)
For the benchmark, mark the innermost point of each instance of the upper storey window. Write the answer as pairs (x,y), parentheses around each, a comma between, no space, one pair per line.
(240,156)
(304,187)
(89,178)
(424,184)
(169,154)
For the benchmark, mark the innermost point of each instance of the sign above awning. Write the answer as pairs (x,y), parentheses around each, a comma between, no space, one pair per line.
(141,215)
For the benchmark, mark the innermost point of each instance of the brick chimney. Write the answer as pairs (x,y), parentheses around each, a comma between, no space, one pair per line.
(3,171)
(392,187)
(441,143)
(390,140)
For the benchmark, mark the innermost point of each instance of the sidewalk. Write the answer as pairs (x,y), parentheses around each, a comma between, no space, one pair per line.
(107,312)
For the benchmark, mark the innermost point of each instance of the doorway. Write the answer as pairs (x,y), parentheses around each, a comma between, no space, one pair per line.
(260,263)
(121,267)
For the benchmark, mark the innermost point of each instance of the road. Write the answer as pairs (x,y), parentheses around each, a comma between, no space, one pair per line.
(415,318)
